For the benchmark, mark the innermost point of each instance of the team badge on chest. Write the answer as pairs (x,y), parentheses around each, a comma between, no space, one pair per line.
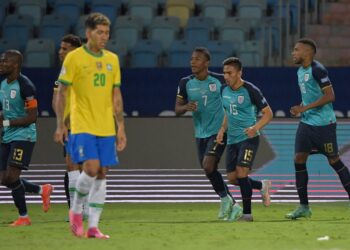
(240,99)
(13,94)
(212,87)
(109,67)
(306,77)
(99,65)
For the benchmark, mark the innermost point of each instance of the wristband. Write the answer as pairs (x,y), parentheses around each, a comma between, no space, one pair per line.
(6,123)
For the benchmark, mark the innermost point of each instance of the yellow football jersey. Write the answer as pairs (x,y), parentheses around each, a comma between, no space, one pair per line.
(91,78)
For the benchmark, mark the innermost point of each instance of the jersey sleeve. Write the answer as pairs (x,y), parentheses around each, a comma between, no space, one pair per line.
(28,93)
(181,90)
(321,76)
(117,77)
(257,97)
(67,70)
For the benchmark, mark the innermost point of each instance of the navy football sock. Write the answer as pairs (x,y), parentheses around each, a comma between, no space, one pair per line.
(18,194)
(344,175)
(218,183)
(246,192)
(30,187)
(66,188)
(255,184)
(301,179)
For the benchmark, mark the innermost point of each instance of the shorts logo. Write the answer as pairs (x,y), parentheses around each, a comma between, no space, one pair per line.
(109,67)
(81,151)
(240,99)
(306,77)
(13,94)
(212,87)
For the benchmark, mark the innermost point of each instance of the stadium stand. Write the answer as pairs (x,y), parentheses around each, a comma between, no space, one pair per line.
(275,24)
(165,29)
(18,28)
(110,8)
(127,30)
(39,53)
(183,9)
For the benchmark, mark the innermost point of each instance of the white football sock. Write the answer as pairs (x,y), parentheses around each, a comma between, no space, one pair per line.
(72,178)
(83,186)
(97,198)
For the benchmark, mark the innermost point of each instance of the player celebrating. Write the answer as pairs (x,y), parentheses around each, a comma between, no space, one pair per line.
(241,101)
(93,74)
(317,127)
(19,114)
(200,93)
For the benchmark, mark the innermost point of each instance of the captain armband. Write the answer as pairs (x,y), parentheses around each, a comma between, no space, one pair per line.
(32,103)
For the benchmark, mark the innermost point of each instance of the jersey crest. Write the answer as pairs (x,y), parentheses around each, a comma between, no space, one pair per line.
(240,99)
(212,87)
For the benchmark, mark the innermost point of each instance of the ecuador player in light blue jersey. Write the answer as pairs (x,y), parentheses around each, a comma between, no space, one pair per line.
(17,119)
(200,93)
(317,127)
(242,101)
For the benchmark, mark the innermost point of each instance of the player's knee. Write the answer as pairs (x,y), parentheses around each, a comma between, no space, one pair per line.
(209,164)
(242,172)
(232,180)
(300,158)
(12,184)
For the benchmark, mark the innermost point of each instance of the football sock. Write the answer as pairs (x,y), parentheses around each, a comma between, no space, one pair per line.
(97,198)
(344,175)
(255,184)
(72,182)
(246,192)
(301,179)
(66,188)
(218,183)
(18,194)
(83,186)
(30,187)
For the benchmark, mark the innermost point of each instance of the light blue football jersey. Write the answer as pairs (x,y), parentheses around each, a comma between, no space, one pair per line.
(12,97)
(210,114)
(311,81)
(241,107)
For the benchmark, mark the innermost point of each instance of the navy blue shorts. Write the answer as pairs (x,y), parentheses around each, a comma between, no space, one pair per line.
(320,139)
(208,146)
(16,154)
(241,154)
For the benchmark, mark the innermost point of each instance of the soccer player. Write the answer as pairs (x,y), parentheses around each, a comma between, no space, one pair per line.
(17,119)
(200,93)
(93,74)
(68,43)
(241,101)
(317,127)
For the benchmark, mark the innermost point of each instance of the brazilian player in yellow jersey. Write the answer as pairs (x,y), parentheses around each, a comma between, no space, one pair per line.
(68,43)
(97,123)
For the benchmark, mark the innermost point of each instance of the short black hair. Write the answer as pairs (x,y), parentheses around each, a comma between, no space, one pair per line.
(73,40)
(203,50)
(310,42)
(16,55)
(233,61)
(95,19)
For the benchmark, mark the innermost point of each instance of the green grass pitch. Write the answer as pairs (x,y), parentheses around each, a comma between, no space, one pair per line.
(182,226)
